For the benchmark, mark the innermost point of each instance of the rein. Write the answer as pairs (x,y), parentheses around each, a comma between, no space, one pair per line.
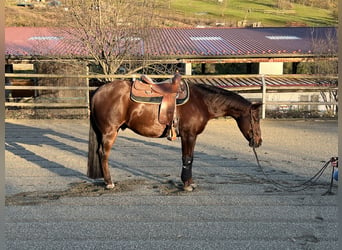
(292,188)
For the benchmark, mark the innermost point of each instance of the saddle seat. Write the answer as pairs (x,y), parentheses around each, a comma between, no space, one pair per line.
(169,86)
(167,94)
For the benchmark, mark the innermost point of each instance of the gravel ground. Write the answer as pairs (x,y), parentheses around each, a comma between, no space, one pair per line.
(51,204)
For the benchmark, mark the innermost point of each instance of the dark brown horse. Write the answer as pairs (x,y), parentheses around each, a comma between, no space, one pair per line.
(112,109)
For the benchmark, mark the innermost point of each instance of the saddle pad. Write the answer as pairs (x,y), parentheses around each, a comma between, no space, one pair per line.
(142,93)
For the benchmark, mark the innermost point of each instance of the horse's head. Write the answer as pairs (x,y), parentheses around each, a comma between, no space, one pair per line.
(249,124)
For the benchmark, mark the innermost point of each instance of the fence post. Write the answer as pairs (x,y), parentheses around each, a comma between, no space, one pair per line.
(87,92)
(263,108)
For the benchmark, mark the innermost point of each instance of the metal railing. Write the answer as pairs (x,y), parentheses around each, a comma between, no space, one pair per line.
(262,89)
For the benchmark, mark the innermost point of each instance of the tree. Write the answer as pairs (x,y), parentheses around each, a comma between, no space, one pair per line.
(113,32)
(327,49)
(325,64)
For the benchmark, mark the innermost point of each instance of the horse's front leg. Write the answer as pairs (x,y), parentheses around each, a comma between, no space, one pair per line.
(188,146)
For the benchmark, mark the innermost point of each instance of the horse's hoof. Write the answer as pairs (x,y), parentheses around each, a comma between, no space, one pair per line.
(110,186)
(188,188)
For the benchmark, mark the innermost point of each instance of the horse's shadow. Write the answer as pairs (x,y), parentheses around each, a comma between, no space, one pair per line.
(170,156)
(18,135)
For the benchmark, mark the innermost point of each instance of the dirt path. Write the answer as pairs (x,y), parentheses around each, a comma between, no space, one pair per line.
(52,204)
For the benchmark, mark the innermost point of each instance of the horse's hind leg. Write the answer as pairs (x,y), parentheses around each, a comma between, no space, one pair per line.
(107,143)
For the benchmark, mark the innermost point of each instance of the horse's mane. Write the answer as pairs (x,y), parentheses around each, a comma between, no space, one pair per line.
(219,95)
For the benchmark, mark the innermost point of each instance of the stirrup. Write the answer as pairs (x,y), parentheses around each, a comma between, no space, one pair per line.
(172,135)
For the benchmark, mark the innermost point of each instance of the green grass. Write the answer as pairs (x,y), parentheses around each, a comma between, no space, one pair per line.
(198,12)
(254,11)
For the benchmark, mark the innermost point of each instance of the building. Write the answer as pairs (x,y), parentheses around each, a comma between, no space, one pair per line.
(267,47)
(261,51)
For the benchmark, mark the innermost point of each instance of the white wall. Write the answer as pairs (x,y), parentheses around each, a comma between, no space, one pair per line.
(188,69)
(271,68)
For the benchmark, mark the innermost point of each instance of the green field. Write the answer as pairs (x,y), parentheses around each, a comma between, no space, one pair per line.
(263,11)
(192,13)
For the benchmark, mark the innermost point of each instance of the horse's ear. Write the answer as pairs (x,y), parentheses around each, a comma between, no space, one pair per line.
(256,105)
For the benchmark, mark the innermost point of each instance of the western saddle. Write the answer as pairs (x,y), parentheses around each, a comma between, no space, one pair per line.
(168,94)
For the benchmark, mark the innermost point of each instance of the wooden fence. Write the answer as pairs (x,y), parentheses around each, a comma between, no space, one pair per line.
(84,103)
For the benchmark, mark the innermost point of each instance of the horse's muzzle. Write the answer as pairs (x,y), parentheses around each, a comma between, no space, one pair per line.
(255,143)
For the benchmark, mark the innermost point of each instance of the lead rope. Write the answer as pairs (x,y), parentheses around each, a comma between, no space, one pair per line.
(301,186)
(293,188)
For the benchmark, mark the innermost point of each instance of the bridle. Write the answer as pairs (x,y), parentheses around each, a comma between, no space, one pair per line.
(252,127)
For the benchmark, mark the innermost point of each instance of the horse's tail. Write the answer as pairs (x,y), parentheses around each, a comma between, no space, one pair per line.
(94,160)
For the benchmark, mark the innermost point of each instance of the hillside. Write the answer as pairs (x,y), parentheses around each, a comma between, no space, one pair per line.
(212,13)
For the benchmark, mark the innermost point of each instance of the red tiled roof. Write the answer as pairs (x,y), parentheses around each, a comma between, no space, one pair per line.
(183,42)
(26,41)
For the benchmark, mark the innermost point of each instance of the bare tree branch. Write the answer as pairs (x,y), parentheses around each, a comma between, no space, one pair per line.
(111,31)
